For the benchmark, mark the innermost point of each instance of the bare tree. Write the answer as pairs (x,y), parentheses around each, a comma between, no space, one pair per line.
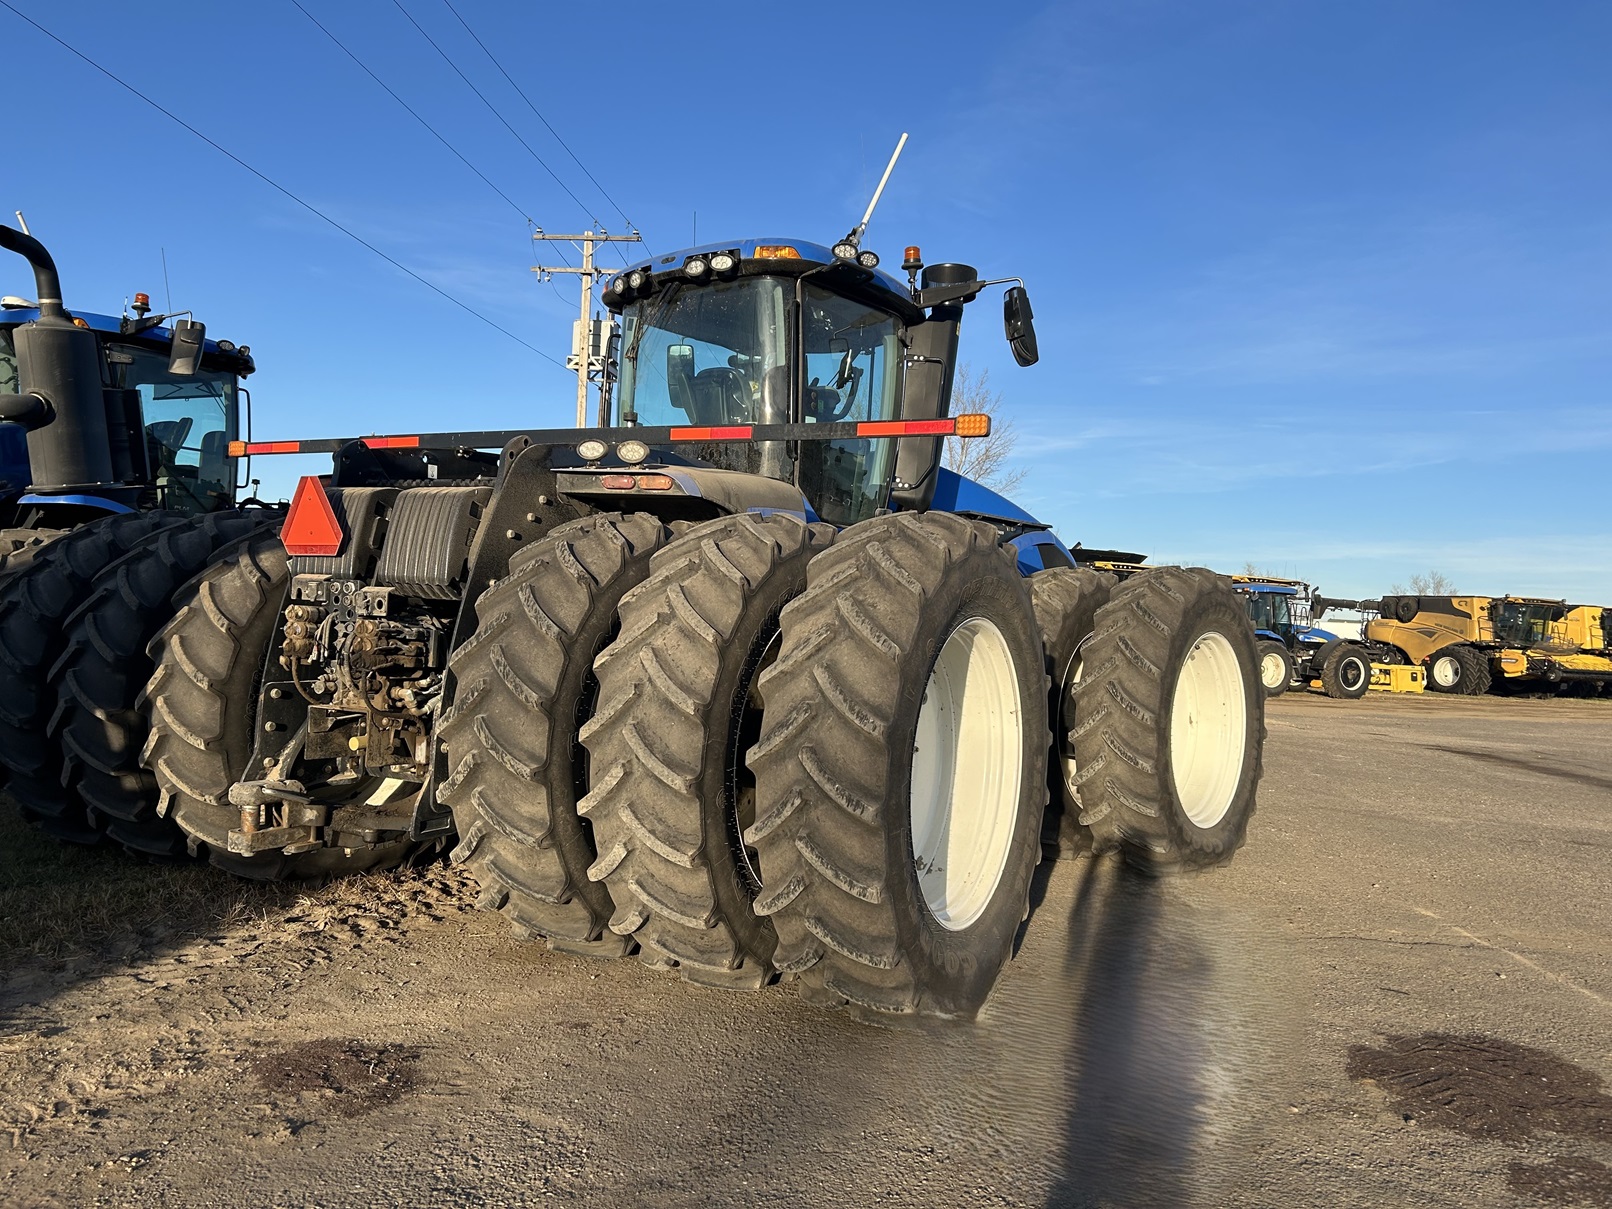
(1434,583)
(986,460)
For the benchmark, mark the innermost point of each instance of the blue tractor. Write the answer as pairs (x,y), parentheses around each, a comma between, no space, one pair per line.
(117,483)
(745,682)
(1294,651)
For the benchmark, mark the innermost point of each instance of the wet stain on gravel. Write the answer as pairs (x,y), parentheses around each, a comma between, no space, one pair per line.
(1563,1181)
(348,1077)
(1485,1087)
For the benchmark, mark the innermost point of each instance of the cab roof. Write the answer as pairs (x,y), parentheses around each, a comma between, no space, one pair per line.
(110,325)
(875,285)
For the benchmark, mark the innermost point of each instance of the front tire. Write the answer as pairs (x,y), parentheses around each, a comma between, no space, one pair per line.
(1066,600)
(1173,721)
(1275,668)
(901,770)
(1459,669)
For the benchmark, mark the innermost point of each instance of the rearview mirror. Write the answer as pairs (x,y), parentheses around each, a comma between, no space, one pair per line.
(680,377)
(1018,322)
(184,357)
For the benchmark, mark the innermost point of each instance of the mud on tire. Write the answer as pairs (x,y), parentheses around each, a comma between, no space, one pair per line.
(670,794)
(34,604)
(856,845)
(1172,721)
(523,686)
(105,666)
(1066,600)
(202,706)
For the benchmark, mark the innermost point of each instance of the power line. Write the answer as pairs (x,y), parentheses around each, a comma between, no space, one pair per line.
(273,184)
(583,206)
(494,60)
(436,134)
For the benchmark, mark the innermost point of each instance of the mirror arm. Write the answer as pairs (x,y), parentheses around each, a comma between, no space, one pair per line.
(964,291)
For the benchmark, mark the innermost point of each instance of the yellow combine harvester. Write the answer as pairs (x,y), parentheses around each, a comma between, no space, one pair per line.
(1468,643)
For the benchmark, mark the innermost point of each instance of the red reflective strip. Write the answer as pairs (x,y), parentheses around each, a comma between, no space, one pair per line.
(906,428)
(739,433)
(392,442)
(310,525)
(274,447)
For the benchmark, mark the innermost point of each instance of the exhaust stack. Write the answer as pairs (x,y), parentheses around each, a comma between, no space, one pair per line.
(61,401)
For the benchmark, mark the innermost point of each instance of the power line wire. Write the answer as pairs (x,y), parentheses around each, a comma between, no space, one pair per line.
(583,206)
(434,132)
(273,184)
(522,93)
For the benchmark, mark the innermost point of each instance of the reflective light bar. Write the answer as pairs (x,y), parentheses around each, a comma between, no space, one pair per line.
(967,425)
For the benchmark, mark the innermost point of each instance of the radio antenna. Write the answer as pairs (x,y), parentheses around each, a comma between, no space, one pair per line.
(855,237)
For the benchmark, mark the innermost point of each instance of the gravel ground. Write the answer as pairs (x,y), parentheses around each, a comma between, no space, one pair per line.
(1400,992)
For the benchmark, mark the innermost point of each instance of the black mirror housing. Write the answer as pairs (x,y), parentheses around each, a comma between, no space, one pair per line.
(1018,323)
(184,358)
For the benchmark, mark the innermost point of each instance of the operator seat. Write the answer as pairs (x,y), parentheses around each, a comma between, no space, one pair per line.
(721,396)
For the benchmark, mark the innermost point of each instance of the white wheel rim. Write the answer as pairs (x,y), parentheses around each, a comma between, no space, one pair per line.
(1446,671)
(967,766)
(1271,669)
(1208,730)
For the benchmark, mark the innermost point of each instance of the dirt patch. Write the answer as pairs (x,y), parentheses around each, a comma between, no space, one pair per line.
(1564,1181)
(347,1077)
(1485,1087)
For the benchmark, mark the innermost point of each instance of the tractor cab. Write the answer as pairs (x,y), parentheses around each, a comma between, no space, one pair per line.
(172,412)
(775,331)
(768,332)
(1280,612)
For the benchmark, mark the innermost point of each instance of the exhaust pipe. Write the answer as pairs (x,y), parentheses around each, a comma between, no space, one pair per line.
(47,282)
(60,403)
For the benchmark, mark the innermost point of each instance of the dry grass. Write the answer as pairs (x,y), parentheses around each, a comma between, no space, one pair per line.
(59,900)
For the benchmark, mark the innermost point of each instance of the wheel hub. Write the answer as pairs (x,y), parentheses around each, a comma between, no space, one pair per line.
(967,767)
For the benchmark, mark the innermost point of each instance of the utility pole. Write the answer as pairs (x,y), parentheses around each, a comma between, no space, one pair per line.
(590,340)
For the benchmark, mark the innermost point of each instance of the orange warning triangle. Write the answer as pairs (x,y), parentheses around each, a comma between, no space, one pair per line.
(311,526)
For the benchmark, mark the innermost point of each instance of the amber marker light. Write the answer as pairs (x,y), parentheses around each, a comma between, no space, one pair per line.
(973,424)
(776,251)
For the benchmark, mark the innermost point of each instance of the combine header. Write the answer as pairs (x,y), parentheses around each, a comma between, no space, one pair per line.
(747,683)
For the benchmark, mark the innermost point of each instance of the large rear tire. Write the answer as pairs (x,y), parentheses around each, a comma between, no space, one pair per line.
(1275,667)
(1172,723)
(901,772)
(670,793)
(104,668)
(524,686)
(1346,675)
(1459,669)
(1066,600)
(34,605)
(202,703)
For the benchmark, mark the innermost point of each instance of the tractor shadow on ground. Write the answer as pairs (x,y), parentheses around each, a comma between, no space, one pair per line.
(1135,1024)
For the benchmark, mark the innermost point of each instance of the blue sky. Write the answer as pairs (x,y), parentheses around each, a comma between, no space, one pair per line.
(1325,288)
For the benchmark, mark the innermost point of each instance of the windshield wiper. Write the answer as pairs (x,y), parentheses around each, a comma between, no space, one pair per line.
(646,321)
